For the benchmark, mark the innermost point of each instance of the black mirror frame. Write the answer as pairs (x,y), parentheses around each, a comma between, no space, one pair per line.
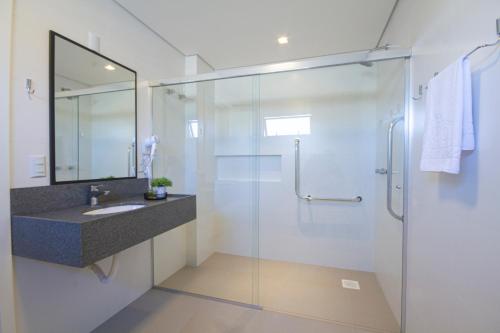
(53,181)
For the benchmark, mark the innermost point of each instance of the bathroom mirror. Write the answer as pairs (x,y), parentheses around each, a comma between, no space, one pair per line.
(92,115)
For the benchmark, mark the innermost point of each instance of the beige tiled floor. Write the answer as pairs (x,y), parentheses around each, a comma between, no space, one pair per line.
(308,291)
(165,312)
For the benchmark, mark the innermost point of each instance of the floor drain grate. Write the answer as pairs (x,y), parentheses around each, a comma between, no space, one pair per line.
(350,284)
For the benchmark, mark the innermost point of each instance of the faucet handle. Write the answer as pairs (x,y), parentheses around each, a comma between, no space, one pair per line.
(95,188)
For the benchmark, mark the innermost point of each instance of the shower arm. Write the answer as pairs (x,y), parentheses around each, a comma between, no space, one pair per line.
(309,197)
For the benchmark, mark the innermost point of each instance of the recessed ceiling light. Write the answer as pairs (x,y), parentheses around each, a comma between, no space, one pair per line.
(283,40)
(110,67)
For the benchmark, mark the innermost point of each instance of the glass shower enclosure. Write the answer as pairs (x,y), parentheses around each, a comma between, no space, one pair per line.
(300,181)
(86,123)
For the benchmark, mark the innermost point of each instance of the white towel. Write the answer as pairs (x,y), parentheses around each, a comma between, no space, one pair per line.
(448,119)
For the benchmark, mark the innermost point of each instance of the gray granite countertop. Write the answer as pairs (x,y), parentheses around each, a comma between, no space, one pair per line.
(76,214)
(66,236)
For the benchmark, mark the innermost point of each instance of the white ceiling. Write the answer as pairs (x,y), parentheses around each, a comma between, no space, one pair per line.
(84,67)
(234,33)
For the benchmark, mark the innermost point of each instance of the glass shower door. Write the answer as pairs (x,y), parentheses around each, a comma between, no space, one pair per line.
(208,147)
(323,251)
(288,169)
(390,183)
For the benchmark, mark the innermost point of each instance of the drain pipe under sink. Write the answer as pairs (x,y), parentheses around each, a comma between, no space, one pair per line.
(106,278)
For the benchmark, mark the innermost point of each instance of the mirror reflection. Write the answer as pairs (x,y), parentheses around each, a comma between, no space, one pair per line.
(94,115)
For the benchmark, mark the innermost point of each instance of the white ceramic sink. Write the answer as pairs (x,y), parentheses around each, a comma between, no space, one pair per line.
(113,209)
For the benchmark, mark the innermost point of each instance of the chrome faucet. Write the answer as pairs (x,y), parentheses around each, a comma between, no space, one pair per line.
(95,193)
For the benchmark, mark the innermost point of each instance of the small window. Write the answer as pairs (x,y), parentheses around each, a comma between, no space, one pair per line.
(192,128)
(288,125)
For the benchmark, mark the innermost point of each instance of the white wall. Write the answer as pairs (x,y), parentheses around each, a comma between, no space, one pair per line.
(454,229)
(7,315)
(53,298)
(122,39)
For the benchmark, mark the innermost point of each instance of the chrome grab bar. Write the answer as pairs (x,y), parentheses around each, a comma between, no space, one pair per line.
(309,197)
(390,144)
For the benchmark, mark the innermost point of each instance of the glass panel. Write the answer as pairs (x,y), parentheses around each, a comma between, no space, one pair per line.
(233,143)
(208,134)
(388,245)
(334,261)
(66,138)
(91,129)
(106,134)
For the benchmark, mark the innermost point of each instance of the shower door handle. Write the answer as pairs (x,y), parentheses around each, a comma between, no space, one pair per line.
(390,144)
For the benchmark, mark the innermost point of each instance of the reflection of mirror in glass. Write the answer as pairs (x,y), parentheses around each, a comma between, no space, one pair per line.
(192,129)
(94,115)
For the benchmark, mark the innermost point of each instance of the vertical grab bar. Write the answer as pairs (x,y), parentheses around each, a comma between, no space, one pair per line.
(390,144)
(297,172)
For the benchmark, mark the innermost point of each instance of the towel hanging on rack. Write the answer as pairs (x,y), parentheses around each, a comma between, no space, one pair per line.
(448,124)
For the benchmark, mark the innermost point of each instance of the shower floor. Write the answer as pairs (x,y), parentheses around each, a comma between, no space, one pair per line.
(308,291)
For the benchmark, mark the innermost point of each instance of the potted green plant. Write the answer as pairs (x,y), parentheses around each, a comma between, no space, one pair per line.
(159,187)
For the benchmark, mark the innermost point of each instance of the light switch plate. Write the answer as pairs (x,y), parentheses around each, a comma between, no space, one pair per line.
(38,166)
